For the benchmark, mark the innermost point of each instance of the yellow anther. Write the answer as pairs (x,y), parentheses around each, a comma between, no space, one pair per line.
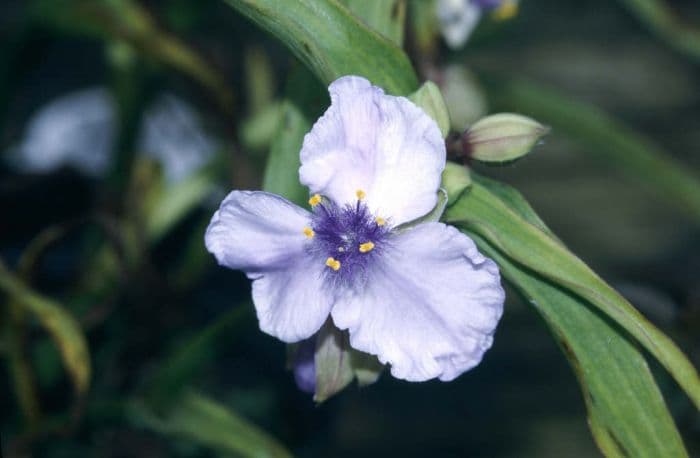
(507,10)
(309,232)
(380,221)
(366,247)
(315,200)
(360,194)
(333,264)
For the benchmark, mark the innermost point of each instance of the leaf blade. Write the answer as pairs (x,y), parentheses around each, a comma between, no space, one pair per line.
(483,213)
(627,413)
(331,42)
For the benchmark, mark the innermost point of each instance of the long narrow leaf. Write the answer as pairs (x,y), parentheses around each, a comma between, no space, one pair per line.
(627,414)
(332,42)
(213,425)
(484,213)
(62,327)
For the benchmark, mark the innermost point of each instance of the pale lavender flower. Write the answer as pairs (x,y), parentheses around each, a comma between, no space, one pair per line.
(459,18)
(76,130)
(79,130)
(420,297)
(305,365)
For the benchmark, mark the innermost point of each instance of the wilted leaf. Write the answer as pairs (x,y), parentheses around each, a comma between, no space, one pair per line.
(63,328)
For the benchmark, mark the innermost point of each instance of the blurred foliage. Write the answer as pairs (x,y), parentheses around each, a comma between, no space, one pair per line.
(120,337)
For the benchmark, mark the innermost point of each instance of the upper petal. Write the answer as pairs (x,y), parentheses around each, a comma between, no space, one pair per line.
(430,307)
(381,144)
(255,231)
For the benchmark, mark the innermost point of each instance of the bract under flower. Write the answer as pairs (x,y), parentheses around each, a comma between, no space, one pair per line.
(422,299)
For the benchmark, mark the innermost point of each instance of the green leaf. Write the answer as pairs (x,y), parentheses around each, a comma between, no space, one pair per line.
(63,328)
(429,98)
(302,106)
(331,42)
(259,130)
(627,414)
(608,140)
(284,155)
(170,203)
(208,423)
(385,16)
(482,212)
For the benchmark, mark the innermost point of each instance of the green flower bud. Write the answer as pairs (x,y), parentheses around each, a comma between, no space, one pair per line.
(502,137)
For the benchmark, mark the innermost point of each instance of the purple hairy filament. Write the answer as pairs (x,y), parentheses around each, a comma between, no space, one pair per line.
(348,239)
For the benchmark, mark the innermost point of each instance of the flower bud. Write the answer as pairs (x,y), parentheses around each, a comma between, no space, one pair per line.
(502,137)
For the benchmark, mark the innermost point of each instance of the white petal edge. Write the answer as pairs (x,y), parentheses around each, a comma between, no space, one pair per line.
(383,145)
(256,231)
(430,308)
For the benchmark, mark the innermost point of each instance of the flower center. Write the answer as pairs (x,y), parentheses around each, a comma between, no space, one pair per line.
(346,238)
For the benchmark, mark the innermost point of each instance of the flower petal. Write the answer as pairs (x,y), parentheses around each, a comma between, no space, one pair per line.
(383,145)
(255,231)
(262,234)
(305,365)
(78,129)
(458,18)
(292,303)
(429,309)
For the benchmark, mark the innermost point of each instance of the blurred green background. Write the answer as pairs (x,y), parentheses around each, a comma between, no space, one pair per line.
(179,367)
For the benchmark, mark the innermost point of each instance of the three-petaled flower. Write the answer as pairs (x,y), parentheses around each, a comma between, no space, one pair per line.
(418,296)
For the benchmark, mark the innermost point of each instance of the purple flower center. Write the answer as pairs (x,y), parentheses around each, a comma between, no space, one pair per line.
(348,239)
